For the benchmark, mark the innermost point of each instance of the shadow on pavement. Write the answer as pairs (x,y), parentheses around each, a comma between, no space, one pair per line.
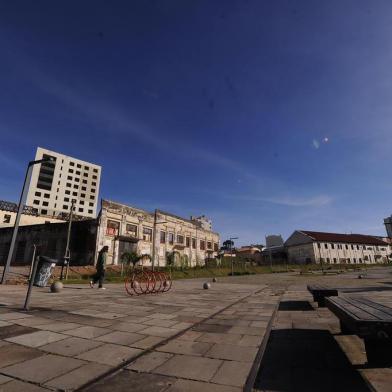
(295,305)
(306,360)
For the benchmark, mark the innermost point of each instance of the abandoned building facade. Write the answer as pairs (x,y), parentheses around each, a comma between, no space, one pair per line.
(160,235)
(123,229)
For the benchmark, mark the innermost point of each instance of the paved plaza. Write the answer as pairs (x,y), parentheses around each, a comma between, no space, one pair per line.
(260,331)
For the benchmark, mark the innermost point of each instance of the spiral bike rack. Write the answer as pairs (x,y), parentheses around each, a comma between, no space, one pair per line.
(140,282)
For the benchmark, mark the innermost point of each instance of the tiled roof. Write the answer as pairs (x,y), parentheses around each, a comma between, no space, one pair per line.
(348,238)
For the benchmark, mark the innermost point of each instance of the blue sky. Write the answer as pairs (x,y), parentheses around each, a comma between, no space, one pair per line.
(267,116)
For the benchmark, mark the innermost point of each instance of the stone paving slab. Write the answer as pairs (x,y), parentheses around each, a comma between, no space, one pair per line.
(43,368)
(110,354)
(36,339)
(78,377)
(71,346)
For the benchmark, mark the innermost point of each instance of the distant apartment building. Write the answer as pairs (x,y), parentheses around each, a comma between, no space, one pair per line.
(305,247)
(388,226)
(30,216)
(55,183)
(128,229)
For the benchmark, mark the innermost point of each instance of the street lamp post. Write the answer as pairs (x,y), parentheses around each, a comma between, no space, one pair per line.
(18,215)
(231,253)
(154,239)
(67,255)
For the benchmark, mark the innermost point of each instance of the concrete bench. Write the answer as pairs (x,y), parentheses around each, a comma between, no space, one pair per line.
(319,293)
(369,320)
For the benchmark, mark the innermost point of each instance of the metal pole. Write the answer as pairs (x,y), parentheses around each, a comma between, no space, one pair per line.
(32,261)
(66,255)
(16,224)
(153,239)
(31,282)
(231,257)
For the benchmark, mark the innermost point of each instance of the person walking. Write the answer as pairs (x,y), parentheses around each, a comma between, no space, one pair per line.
(101,264)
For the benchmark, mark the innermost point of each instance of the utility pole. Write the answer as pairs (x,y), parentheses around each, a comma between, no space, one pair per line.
(154,239)
(67,255)
(231,253)
(22,199)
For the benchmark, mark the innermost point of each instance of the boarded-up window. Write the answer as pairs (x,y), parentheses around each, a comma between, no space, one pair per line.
(112,227)
(131,230)
(147,234)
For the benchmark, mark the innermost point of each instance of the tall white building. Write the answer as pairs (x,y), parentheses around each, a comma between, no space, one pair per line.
(55,183)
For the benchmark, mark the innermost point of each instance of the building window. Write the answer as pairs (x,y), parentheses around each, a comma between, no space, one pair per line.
(38,194)
(163,237)
(65,207)
(332,246)
(131,230)
(318,245)
(70,171)
(84,181)
(44,212)
(45,203)
(352,246)
(83,195)
(80,209)
(94,183)
(355,260)
(95,177)
(86,168)
(78,172)
(84,188)
(334,260)
(180,239)
(202,245)
(364,247)
(69,178)
(85,174)
(215,247)
(90,211)
(76,186)
(147,234)
(188,242)
(77,179)
(92,190)
(91,204)
(357,247)
(74,193)
(171,238)
(360,260)
(193,243)
(67,192)
(69,184)
(78,165)
(328,260)
(346,246)
(72,164)
(95,170)
(7,218)
(326,246)
(66,198)
(81,202)
(112,227)
(36,202)
(209,245)
(92,197)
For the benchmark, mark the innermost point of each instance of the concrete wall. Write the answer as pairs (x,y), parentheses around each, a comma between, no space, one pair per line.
(115,214)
